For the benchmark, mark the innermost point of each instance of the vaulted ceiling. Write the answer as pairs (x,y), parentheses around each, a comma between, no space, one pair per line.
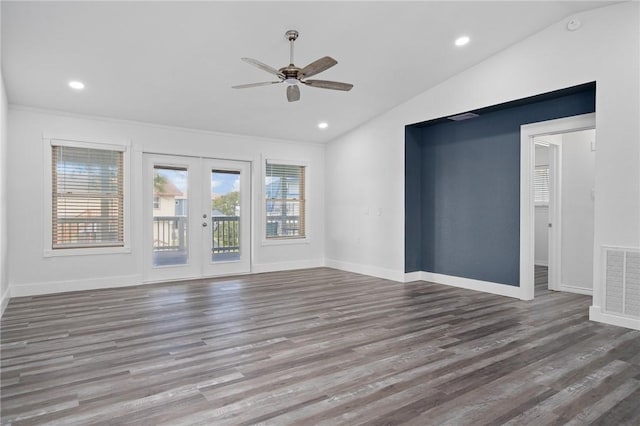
(173,63)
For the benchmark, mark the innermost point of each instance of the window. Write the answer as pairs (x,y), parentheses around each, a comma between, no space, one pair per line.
(87,196)
(156,203)
(541,185)
(285,201)
(181,207)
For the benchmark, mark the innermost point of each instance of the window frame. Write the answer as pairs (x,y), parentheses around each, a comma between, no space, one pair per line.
(274,241)
(123,146)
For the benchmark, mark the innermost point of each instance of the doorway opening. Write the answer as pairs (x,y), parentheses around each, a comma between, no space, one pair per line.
(197,217)
(556,200)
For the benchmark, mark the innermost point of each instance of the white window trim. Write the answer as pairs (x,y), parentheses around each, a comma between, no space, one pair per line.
(78,142)
(307,203)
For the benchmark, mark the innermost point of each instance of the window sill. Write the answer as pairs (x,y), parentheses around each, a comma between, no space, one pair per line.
(92,251)
(285,241)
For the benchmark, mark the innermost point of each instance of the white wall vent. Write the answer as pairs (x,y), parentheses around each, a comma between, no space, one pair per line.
(622,281)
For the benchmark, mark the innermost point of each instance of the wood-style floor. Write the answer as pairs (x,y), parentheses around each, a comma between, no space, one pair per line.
(313,347)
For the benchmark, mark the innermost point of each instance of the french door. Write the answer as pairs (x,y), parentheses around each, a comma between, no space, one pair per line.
(197,217)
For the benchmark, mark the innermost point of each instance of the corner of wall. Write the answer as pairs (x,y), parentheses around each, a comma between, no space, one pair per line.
(374,271)
(4,301)
(4,285)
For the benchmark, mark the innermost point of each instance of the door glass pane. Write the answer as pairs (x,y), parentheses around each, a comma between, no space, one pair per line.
(170,216)
(225,215)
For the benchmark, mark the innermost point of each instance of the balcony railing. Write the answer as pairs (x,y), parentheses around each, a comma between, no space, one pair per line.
(170,234)
(86,230)
(225,234)
(283,226)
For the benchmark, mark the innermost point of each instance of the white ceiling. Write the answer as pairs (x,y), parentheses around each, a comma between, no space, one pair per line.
(174,63)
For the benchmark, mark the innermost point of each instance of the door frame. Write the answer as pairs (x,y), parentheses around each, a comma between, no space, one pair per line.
(527,206)
(197,166)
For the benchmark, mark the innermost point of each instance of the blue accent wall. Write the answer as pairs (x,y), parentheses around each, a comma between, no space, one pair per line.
(462,187)
(413,199)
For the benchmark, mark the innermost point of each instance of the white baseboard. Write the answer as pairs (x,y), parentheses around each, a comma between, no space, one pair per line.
(374,271)
(258,268)
(413,276)
(50,287)
(468,283)
(574,289)
(4,300)
(596,314)
(20,290)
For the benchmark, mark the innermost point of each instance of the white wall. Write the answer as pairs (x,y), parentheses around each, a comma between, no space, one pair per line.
(542,153)
(578,171)
(4,282)
(365,168)
(31,273)
(541,220)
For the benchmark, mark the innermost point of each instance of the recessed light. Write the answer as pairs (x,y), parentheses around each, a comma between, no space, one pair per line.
(461,41)
(323,125)
(77,85)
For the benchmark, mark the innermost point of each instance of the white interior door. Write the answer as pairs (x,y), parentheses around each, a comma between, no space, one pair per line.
(197,217)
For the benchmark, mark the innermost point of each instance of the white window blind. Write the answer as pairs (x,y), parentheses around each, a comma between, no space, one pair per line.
(541,184)
(87,197)
(285,201)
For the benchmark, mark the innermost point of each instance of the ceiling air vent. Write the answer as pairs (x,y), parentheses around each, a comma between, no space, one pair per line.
(465,116)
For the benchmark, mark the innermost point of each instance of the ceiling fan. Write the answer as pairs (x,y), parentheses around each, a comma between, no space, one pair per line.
(292,75)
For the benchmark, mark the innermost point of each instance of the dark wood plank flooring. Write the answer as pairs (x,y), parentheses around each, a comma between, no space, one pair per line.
(313,347)
(541,282)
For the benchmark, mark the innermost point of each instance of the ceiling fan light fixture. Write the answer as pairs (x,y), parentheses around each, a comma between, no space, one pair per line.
(291,81)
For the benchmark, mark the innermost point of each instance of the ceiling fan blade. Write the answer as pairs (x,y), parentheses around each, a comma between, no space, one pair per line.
(263,66)
(246,86)
(293,93)
(316,67)
(324,84)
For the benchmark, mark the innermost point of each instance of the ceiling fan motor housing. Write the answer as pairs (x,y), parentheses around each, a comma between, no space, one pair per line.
(291,72)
